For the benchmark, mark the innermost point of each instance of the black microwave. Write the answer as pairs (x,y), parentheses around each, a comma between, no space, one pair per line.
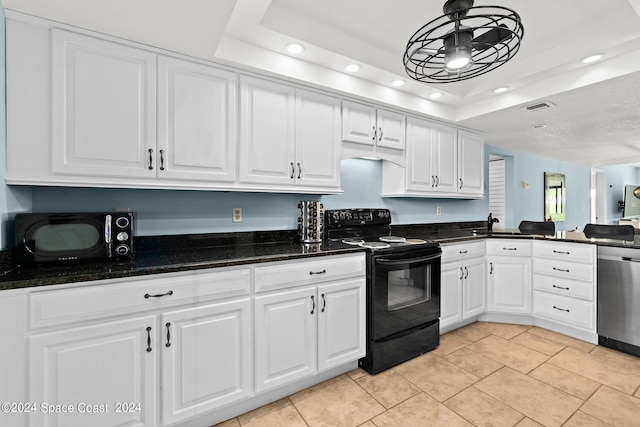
(73,237)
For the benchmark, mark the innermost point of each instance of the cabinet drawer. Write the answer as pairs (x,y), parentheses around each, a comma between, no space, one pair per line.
(564,270)
(573,252)
(287,274)
(92,300)
(509,247)
(461,251)
(569,311)
(565,287)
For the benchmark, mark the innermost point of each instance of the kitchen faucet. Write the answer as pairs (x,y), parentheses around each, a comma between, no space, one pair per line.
(490,221)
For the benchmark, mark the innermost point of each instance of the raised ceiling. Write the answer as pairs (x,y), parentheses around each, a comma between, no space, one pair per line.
(595,119)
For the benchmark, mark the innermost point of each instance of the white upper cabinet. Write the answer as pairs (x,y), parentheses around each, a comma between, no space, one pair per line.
(441,161)
(103,107)
(196,121)
(365,124)
(288,137)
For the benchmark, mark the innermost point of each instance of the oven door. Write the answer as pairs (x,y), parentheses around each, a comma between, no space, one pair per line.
(405,291)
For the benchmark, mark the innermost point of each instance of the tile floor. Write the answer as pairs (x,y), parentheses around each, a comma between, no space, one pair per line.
(484,374)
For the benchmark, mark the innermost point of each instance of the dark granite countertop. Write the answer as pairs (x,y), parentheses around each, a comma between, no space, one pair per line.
(168,254)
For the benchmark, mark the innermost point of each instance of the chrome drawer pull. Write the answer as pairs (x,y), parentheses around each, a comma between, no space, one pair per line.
(149,339)
(561,252)
(561,269)
(509,249)
(560,287)
(313,301)
(463,252)
(147,296)
(562,309)
(168,325)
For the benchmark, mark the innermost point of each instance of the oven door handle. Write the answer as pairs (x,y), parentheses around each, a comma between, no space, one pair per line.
(386,261)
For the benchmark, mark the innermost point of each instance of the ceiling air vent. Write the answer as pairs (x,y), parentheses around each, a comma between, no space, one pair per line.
(540,106)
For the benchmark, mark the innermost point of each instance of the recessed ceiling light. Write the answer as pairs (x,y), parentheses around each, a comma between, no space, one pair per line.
(398,83)
(501,89)
(435,95)
(352,68)
(295,48)
(592,58)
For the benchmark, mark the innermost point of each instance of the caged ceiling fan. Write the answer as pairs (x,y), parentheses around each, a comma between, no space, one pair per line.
(465,42)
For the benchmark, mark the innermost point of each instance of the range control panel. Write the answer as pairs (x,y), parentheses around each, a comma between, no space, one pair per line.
(340,218)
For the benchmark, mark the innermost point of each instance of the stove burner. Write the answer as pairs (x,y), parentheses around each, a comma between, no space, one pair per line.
(353,241)
(375,245)
(415,241)
(392,239)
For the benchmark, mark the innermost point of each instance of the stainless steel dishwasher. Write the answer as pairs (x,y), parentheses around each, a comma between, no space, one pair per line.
(619,298)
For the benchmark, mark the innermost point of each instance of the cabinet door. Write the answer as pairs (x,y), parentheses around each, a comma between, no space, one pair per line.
(103,107)
(445,157)
(317,140)
(206,359)
(420,174)
(105,365)
(285,337)
(509,285)
(452,276)
(196,121)
(391,129)
(267,132)
(358,123)
(470,163)
(473,288)
(341,323)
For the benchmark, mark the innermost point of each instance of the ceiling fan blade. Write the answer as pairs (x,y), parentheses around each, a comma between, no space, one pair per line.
(491,38)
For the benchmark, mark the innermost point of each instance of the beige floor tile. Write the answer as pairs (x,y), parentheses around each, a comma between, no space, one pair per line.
(473,332)
(575,385)
(436,376)
(598,368)
(357,373)
(637,393)
(420,410)
(449,343)
(528,422)
(613,407)
(337,402)
(621,360)
(538,343)
(388,387)
(473,362)
(562,339)
(506,330)
(276,414)
(483,410)
(508,353)
(580,419)
(233,422)
(538,401)
(367,424)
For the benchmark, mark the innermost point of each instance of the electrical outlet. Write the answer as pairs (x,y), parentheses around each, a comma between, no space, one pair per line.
(237,215)
(438,210)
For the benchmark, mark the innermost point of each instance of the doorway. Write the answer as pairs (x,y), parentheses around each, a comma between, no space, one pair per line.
(597,196)
(497,203)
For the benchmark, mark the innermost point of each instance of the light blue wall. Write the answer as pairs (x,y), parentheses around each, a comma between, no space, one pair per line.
(615,178)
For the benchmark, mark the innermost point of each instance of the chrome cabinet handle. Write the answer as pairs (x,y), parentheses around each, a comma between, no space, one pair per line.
(490,268)
(380,136)
(463,252)
(461,274)
(149,339)
(433,181)
(293,170)
(150,159)
(562,309)
(460,184)
(375,133)
(324,303)
(560,287)
(561,269)
(509,249)
(466,273)
(168,325)
(437,181)
(311,273)
(561,252)
(299,170)
(147,296)
(313,301)
(161,160)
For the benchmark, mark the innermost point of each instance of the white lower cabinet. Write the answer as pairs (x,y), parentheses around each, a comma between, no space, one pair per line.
(315,323)
(509,276)
(102,375)
(462,290)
